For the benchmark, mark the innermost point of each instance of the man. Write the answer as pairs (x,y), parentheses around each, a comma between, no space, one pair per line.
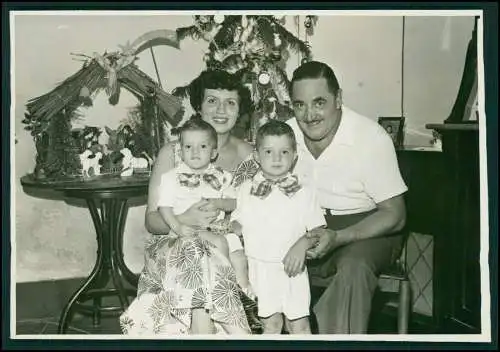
(352,162)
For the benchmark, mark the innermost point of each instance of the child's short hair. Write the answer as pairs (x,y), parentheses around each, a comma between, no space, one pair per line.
(275,128)
(196,123)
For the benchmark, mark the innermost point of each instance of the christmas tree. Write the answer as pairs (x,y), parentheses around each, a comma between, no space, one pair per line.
(256,49)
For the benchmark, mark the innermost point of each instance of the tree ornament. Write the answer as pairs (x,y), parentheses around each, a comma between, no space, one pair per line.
(237,34)
(195,36)
(244,21)
(264,78)
(277,40)
(308,22)
(275,55)
(204,19)
(219,19)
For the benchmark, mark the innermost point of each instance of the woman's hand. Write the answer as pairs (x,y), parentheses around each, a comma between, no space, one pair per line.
(236,228)
(199,214)
(294,261)
(185,231)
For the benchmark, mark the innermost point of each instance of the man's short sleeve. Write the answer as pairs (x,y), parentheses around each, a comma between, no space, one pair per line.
(167,189)
(381,175)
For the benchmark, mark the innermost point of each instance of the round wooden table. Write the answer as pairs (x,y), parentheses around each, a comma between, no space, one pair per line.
(110,196)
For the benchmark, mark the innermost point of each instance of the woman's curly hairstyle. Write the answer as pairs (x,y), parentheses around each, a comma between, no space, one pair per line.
(219,79)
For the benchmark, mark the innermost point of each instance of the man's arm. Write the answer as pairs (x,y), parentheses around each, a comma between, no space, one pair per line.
(390,217)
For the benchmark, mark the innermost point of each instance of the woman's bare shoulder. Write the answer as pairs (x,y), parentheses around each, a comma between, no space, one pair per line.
(165,160)
(244,149)
(168,147)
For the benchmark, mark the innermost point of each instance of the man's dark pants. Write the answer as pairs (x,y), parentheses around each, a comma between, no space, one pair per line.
(345,305)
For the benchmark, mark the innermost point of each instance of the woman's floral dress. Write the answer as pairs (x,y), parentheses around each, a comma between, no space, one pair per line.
(182,274)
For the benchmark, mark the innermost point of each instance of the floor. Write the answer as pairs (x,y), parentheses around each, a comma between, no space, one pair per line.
(381,323)
(79,325)
(110,326)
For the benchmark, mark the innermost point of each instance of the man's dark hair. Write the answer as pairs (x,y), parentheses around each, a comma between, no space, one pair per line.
(275,128)
(316,70)
(196,123)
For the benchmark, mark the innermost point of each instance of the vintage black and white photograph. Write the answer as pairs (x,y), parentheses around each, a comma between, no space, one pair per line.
(230,174)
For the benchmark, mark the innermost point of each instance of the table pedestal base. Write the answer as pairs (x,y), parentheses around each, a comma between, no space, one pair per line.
(109,270)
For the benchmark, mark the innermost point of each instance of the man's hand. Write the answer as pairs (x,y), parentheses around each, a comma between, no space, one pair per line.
(327,242)
(294,261)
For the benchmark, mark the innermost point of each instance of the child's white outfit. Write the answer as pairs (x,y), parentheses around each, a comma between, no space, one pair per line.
(271,224)
(180,188)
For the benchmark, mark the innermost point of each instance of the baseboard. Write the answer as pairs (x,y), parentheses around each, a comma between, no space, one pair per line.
(42,299)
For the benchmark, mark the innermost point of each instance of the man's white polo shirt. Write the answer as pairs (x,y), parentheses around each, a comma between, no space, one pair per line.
(357,170)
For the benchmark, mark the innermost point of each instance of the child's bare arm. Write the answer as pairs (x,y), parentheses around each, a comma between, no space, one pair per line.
(173,222)
(224,204)
(235,227)
(313,236)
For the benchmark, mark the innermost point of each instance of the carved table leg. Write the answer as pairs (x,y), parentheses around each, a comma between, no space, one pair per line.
(109,228)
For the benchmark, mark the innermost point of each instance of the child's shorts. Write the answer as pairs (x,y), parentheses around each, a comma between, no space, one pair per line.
(277,292)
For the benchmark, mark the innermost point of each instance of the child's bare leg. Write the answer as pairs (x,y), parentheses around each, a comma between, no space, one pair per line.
(217,240)
(201,323)
(240,265)
(272,324)
(298,326)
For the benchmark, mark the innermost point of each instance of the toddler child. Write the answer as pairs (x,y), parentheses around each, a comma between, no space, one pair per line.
(196,178)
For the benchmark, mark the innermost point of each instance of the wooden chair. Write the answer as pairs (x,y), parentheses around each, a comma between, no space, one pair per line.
(397,273)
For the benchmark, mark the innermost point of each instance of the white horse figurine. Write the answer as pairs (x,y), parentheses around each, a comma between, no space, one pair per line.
(130,162)
(90,161)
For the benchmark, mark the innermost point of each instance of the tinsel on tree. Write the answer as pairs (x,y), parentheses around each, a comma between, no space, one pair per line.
(256,48)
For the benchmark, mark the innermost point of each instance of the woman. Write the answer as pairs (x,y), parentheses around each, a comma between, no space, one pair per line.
(220,99)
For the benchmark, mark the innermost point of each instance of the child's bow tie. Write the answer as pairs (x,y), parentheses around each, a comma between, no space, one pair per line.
(192,180)
(262,187)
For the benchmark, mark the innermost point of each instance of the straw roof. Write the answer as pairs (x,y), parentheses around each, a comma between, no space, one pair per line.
(95,77)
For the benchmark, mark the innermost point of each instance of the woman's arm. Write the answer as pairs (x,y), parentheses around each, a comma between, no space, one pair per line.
(164,162)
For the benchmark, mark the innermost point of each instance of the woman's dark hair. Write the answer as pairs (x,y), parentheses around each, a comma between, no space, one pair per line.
(196,123)
(275,128)
(219,79)
(316,69)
